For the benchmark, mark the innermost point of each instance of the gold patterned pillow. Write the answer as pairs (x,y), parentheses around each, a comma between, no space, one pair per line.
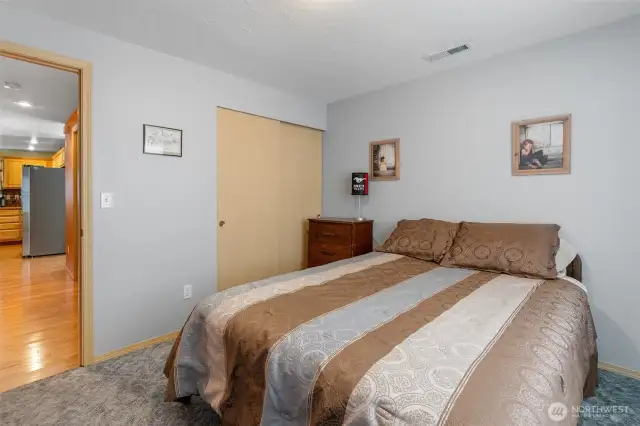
(517,249)
(426,239)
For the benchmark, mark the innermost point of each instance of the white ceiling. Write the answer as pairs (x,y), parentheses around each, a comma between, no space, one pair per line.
(17,129)
(22,144)
(331,49)
(54,94)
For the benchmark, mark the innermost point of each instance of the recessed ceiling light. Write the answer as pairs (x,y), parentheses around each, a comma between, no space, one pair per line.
(31,147)
(12,85)
(24,104)
(33,140)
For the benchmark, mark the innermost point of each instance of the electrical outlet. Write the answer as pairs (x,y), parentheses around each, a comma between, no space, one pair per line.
(187,291)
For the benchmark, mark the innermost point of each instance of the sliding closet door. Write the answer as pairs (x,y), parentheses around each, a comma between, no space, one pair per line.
(248,191)
(301,192)
(269,183)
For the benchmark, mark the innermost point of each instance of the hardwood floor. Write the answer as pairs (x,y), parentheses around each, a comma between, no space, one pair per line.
(38,318)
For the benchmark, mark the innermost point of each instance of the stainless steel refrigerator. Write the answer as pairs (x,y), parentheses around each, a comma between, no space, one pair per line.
(43,211)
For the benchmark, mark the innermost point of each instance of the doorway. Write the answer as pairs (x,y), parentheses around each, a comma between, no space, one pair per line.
(52,331)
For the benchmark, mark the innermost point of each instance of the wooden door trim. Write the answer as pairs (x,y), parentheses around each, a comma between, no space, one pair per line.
(84,225)
(71,131)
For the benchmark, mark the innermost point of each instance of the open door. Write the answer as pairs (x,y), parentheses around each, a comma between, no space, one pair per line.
(71,130)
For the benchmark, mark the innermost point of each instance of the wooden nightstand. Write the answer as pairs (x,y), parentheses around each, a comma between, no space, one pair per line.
(332,239)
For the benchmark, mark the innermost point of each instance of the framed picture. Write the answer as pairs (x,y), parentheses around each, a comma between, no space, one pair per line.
(384,160)
(161,141)
(542,146)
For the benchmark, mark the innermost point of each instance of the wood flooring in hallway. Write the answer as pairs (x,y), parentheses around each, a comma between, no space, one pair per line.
(38,318)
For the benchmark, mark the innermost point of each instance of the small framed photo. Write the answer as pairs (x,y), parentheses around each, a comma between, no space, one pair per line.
(384,160)
(541,146)
(161,141)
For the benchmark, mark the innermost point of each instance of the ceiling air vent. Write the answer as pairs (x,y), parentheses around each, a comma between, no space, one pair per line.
(445,53)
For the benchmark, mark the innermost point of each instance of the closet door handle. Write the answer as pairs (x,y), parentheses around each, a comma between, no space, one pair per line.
(327,252)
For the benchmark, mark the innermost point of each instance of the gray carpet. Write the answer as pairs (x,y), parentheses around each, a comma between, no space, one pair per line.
(617,402)
(129,391)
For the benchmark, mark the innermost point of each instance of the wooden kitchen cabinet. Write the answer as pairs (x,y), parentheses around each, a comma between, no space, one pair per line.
(58,159)
(12,173)
(10,224)
(13,170)
(36,162)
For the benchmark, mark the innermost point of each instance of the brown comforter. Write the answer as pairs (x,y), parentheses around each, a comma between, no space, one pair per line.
(386,339)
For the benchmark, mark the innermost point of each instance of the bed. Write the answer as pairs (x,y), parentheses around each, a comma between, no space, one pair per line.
(390,339)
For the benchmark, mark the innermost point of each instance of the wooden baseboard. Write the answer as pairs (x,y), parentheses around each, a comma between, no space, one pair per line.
(140,345)
(620,370)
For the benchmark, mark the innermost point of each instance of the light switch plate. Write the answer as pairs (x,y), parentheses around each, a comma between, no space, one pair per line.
(106,200)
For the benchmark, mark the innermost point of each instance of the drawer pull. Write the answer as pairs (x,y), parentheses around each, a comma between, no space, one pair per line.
(328,253)
(328,234)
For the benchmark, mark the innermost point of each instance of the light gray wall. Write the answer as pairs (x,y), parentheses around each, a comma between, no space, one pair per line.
(455,157)
(161,234)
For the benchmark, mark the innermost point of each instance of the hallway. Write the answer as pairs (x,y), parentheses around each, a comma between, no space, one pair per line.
(38,318)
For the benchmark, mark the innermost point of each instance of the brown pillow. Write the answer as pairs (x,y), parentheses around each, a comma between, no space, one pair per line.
(425,239)
(516,249)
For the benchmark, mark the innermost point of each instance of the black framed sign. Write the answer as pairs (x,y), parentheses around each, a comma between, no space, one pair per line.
(359,183)
(161,141)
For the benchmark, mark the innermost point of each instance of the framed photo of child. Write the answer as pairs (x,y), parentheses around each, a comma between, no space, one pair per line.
(542,146)
(384,160)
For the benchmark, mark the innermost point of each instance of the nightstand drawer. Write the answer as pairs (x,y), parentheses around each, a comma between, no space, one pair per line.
(332,239)
(333,233)
(321,254)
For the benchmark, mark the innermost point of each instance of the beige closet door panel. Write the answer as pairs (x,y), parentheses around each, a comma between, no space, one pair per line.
(248,181)
(301,192)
